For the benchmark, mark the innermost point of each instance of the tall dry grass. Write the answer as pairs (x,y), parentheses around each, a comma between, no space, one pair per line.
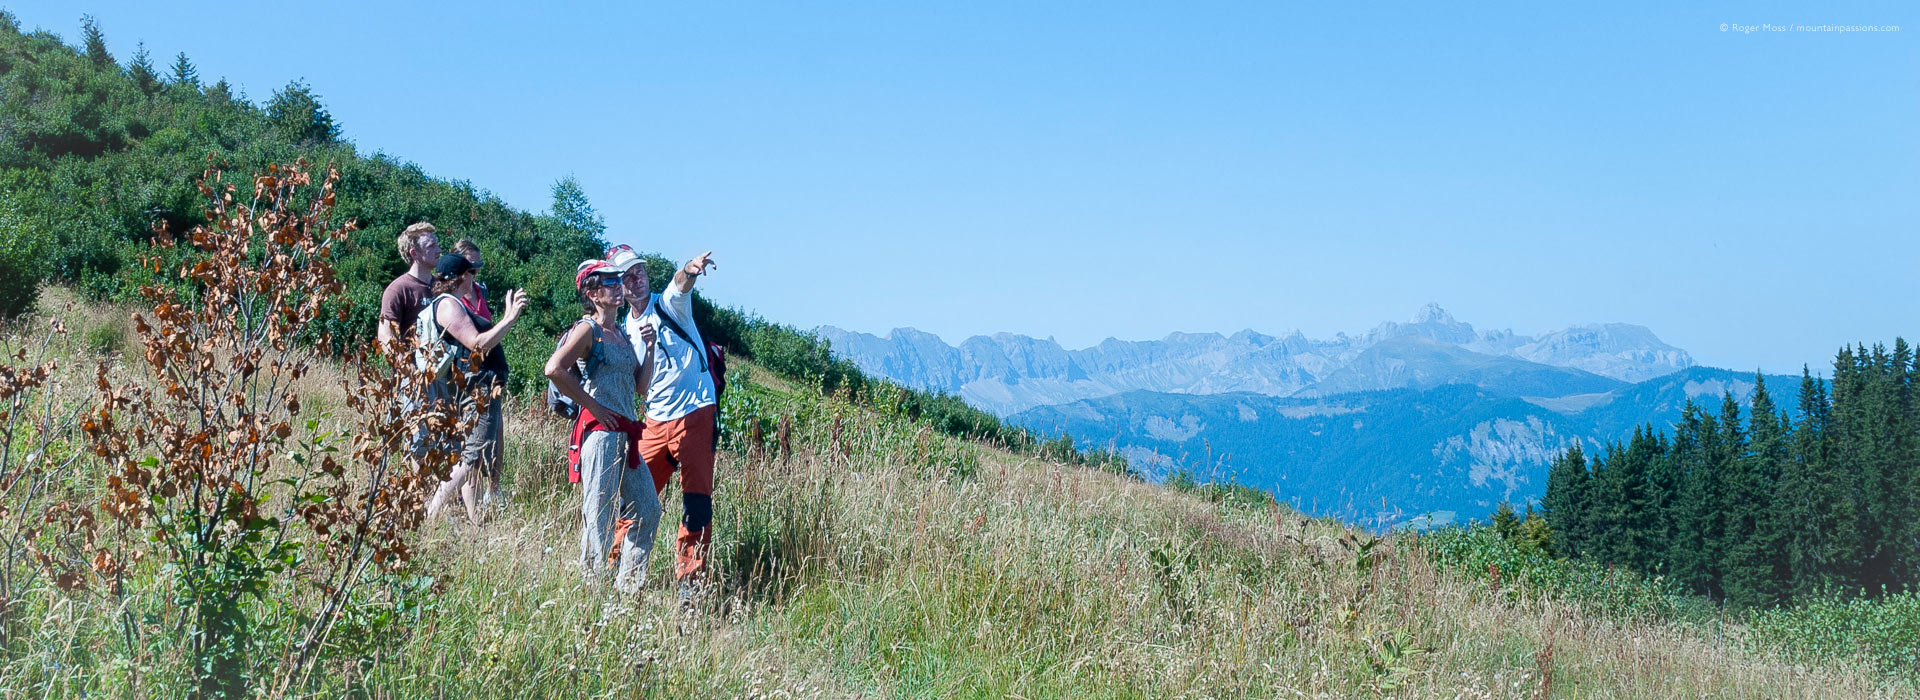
(884,561)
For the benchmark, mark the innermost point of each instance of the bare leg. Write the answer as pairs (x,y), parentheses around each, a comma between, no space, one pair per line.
(469,494)
(461,481)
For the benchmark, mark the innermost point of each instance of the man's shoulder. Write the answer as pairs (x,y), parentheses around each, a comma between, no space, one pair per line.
(403,297)
(406,283)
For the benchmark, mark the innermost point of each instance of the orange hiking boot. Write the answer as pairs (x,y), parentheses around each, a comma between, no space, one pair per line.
(690,551)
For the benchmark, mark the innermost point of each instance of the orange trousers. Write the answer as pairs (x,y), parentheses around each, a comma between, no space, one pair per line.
(685,444)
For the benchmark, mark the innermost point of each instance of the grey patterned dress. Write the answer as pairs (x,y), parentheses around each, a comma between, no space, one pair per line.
(609,490)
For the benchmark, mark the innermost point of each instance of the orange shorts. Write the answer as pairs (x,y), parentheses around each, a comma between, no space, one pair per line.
(684,443)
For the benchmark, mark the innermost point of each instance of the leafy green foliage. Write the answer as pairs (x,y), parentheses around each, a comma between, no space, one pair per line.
(1481,552)
(25,242)
(1883,632)
(298,115)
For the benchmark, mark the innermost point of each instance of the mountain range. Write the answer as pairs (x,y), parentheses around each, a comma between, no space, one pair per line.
(1007,373)
(1415,455)
(1422,422)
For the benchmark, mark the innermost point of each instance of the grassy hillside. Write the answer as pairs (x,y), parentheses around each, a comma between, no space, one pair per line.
(882,558)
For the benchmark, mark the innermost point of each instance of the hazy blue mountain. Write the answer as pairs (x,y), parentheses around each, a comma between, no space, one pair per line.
(1438,453)
(1007,373)
(1419,361)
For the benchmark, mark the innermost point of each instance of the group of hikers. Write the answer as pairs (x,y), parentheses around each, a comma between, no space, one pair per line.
(603,365)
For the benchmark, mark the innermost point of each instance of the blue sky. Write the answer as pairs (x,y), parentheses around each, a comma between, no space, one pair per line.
(1086,170)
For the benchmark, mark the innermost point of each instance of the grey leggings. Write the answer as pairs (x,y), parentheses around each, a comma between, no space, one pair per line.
(610,491)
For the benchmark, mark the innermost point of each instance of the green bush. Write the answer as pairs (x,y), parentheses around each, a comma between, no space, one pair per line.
(24,242)
(1481,552)
(1883,632)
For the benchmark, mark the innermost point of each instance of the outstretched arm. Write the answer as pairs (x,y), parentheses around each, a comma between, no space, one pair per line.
(683,278)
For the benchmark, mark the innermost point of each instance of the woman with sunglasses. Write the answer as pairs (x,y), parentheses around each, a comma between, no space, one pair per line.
(617,500)
(480,404)
(477,302)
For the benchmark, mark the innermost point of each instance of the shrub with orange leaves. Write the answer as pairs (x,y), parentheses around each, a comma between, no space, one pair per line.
(216,458)
(43,532)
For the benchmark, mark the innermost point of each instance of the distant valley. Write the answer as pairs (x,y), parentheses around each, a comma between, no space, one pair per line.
(1410,455)
(1423,422)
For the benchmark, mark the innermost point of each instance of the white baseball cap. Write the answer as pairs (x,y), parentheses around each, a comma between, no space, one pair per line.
(622,258)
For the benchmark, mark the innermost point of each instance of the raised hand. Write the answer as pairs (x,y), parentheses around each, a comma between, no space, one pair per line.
(516,302)
(699,265)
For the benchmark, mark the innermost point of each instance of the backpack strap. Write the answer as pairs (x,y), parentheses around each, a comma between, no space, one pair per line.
(682,332)
(594,353)
(429,330)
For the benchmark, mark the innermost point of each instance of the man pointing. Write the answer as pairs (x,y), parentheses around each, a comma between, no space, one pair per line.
(680,401)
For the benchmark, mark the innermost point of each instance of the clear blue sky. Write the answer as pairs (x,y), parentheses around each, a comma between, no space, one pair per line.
(1085,170)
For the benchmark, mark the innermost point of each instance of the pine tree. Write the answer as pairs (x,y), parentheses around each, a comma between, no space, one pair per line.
(141,70)
(1506,523)
(1730,455)
(96,43)
(1564,505)
(1535,534)
(1664,479)
(1905,476)
(1811,502)
(184,72)
(1602,520)
(1863,405)
(1619,501)
(1697,511)
(1641,514)
(1750,567)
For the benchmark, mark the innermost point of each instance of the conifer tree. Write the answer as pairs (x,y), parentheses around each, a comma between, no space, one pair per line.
(184,72)
(96,43)
(1697,511)
(1905,477)
(1750,569)
(1813,502)
(1506,523)
(1603,516)
(1640,519)
(1665,475)
(141,70)
(1564,504)
(1863,401)
(1535,534)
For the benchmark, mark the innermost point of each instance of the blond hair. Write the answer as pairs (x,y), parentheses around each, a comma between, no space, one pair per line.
(466,246)
(409,240)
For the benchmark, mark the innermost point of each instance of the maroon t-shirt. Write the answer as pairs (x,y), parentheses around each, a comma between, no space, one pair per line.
(402,301)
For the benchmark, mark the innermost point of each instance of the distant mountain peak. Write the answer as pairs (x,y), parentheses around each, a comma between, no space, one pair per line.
(1007,372)
(1432,313)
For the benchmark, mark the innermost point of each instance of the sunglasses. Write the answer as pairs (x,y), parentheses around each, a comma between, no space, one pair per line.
(607,280)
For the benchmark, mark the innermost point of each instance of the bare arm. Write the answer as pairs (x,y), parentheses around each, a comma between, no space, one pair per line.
(643,372)
(579,342)
(454,318)
(387,332)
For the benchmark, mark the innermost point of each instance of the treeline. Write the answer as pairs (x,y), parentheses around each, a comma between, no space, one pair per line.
(1762,510)
(95,153)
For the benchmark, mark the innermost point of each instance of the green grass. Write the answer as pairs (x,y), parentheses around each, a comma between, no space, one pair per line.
(885,559)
